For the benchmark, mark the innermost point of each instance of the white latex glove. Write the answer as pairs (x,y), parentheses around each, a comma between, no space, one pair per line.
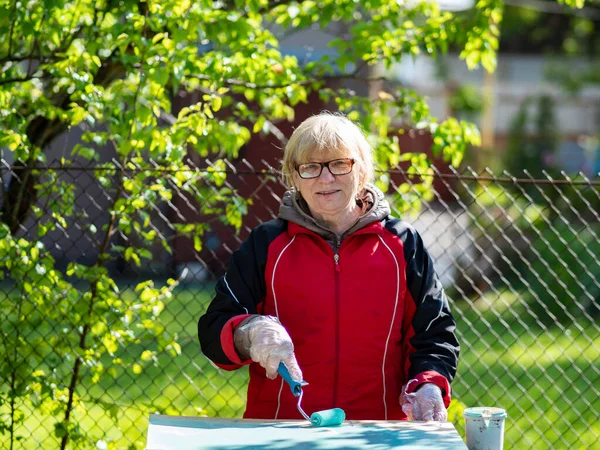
(264,339)
(425,404)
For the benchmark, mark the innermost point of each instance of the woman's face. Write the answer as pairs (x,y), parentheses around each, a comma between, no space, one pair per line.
(329,195)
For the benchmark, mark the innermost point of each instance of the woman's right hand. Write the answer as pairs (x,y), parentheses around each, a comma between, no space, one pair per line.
(267,342)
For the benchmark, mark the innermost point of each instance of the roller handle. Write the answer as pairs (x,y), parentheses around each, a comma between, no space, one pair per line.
(295,386)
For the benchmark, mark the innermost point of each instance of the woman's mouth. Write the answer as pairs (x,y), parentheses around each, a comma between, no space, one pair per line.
(328,193)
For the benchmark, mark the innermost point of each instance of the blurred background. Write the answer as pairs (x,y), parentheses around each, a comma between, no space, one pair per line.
(513,228)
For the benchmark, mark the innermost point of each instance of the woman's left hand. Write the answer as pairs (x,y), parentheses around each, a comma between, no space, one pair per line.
(424,404)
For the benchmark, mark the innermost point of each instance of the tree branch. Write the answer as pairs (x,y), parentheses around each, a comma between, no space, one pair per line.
(276,132)
(13,59)
(22,79)
(248,85)
(86,328)
(230,5)
(555,8)
(12,28)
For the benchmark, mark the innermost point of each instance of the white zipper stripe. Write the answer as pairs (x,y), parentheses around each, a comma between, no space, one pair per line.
(277,313)
(387,341)
(438,316)
(279,398)
(232,294)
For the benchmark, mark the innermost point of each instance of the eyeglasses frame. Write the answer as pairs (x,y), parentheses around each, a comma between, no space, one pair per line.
(326,164)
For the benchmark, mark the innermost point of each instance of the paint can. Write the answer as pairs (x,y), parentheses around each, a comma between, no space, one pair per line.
(484,428)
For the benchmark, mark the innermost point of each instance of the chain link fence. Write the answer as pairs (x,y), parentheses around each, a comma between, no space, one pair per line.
(519,257)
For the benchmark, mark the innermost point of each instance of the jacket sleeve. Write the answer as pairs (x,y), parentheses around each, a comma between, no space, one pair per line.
(431,348)
(238,294)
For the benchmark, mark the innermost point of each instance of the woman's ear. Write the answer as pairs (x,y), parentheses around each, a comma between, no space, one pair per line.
(362,179)
(295,183)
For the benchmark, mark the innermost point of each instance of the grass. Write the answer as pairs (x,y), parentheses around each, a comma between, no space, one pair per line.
(184,385)
(544,379)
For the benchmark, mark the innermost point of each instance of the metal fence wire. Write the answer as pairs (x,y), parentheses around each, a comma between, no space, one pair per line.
(518,255)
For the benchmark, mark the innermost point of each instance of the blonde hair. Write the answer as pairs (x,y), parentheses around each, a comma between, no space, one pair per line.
(327,134)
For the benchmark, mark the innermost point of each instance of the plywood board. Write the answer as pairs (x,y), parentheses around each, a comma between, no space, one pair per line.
(192,433)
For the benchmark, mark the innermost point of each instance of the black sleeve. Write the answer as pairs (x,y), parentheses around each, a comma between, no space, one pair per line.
(239,291)
(434,342)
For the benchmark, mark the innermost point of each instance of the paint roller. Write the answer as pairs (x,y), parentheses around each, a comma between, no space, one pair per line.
(326,418)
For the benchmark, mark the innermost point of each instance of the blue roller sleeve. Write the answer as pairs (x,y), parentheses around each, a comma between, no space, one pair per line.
(328,417)
(295,386)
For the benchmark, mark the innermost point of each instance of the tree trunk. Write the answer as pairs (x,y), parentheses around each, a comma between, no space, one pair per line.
(41,132)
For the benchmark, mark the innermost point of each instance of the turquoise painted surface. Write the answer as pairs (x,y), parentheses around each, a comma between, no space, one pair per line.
(185,433)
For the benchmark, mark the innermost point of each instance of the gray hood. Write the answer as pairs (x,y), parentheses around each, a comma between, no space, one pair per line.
(295,209)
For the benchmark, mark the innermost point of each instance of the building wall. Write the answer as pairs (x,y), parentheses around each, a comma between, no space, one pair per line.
(516,78)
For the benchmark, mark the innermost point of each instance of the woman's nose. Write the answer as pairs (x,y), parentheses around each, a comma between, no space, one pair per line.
(326,175)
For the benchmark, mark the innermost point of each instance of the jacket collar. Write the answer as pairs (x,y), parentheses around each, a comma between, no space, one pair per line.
(295,210)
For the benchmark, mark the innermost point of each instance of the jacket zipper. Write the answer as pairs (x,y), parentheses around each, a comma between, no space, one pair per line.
(336,259)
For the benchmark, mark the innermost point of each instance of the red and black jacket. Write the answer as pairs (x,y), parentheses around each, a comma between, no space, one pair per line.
(363,323)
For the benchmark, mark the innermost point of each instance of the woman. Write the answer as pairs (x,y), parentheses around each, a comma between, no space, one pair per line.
(337,287)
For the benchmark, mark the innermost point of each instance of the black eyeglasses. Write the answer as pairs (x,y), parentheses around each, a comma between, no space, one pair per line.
(336,167)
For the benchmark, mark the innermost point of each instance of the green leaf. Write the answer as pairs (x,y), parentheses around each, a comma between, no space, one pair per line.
(216,103)
(197,243)
(573,3)
(110,343)
(148,295)
(145,253)
(60,430)
(131,255)
(85,152)
(258,126)
(174,348)
(113,411)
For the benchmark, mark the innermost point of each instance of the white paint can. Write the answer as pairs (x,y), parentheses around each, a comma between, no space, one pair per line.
(484,428)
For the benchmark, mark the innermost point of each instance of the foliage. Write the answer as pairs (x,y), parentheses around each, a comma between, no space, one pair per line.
(482,36)
(550,28)
(573,81)
(466,100)
(532,146)
(547,250)
(112,70)
(573,3)
(563,276)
